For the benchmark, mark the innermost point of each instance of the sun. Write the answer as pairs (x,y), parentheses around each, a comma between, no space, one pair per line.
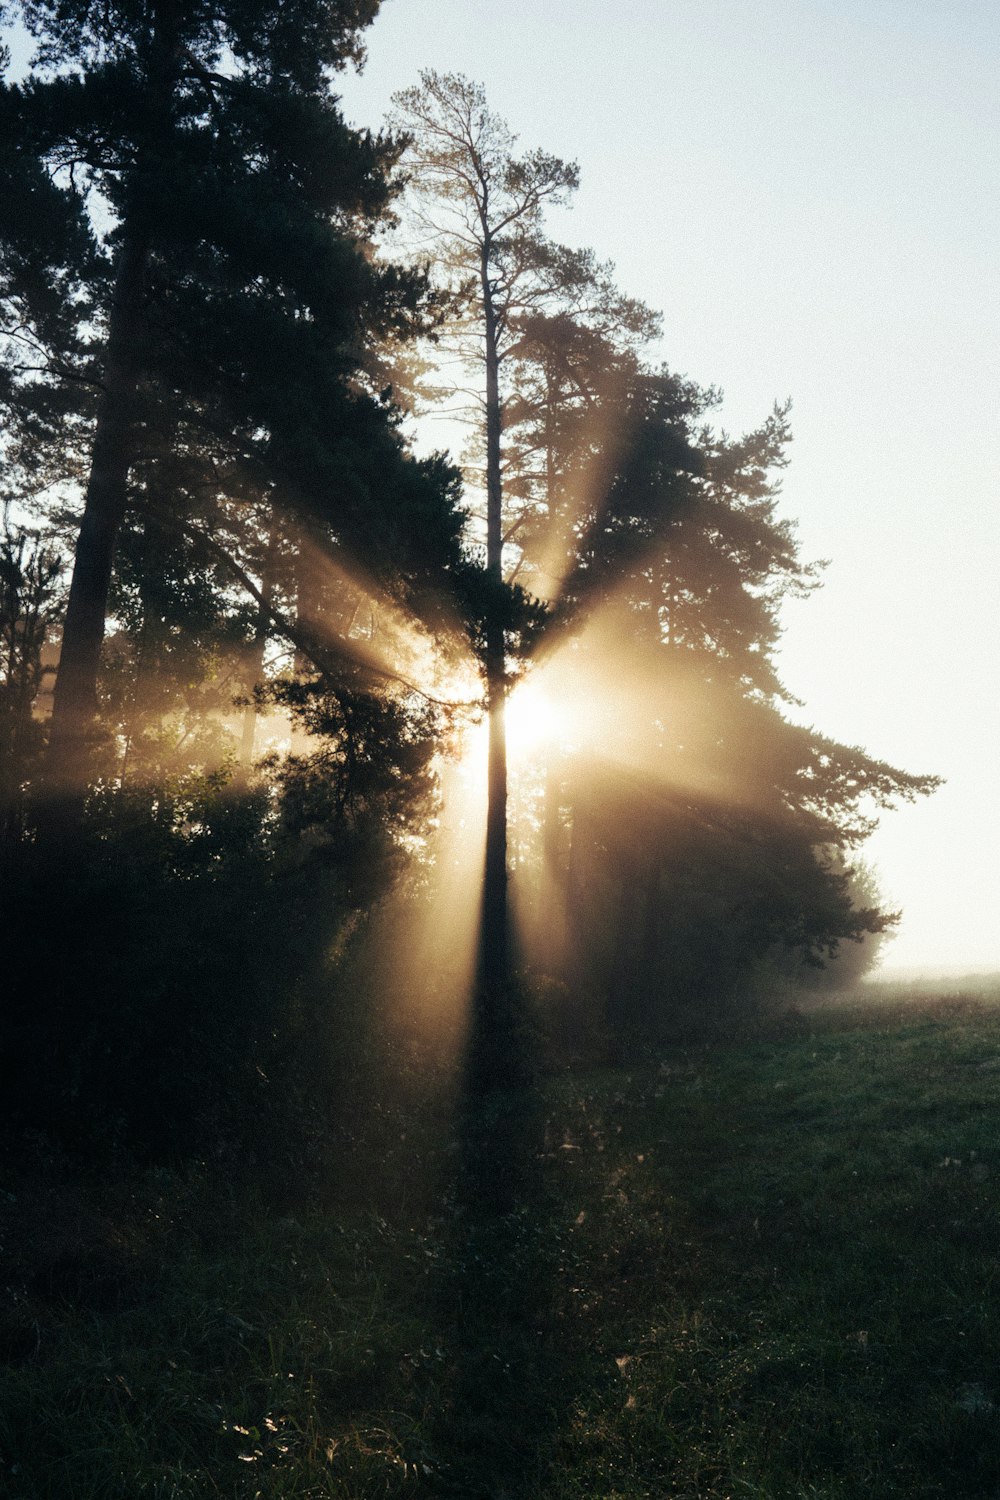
(535,721)
(532,719)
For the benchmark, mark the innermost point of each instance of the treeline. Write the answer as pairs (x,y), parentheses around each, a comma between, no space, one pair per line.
(242,625)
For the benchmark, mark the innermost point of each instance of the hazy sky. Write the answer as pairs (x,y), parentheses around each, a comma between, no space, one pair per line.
(808,189)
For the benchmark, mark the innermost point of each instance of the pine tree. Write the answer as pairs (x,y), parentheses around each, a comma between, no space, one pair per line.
(481,205)
(204,303)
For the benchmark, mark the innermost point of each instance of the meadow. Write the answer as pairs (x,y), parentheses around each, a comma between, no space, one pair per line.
(762,1269)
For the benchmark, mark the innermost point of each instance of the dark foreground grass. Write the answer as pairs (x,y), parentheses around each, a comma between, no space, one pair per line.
(766,1271)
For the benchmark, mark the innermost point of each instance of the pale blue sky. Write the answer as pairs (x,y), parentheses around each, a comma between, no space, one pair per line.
(808,189)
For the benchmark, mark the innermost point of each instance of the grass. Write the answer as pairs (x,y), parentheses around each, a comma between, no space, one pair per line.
(769,1270)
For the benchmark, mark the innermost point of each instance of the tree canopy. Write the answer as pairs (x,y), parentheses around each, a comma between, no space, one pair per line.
(243,627)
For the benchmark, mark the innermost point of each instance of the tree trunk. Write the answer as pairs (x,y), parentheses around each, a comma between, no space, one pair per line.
(74,700)
(495,944)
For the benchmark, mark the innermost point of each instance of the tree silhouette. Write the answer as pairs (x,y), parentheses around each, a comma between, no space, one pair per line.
(192,275)
(480,207)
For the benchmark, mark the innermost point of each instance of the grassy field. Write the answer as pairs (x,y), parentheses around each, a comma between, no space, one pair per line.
(769,1270)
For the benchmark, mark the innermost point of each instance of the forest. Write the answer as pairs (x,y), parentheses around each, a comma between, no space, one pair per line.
(250,635)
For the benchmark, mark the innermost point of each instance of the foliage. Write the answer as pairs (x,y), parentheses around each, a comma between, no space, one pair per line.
(173,984)
(29,598)
(847,963)
(367,788)
(207,323)
(194,335)
(679,855)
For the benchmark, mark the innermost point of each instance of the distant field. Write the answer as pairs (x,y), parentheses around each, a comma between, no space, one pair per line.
(924,984)
(771,1270)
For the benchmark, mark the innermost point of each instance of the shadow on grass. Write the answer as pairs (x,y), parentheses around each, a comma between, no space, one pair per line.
(497,1295)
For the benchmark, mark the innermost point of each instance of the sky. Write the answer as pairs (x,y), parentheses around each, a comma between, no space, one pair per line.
(808,190)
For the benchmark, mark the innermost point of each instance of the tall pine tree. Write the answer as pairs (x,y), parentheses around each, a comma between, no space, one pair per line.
(191,298)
